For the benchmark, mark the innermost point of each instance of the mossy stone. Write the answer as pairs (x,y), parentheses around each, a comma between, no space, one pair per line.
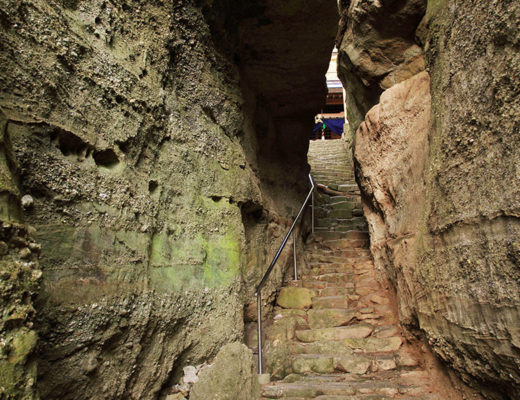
(294,297)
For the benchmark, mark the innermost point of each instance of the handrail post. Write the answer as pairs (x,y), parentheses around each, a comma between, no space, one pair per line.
(312,212)
(259,311)
(294,255)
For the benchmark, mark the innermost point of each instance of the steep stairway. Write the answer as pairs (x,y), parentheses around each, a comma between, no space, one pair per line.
(340,328)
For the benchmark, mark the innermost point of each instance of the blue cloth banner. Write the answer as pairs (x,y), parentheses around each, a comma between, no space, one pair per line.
(335,125)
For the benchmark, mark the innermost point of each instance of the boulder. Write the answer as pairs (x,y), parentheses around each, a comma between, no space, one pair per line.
(231,376)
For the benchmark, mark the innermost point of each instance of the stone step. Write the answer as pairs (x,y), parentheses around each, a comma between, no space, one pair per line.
(340,227)
(348,213)
(347,242)
(351,332)
(332,172)
(343,199)
(329,317)
(349,186)
(335,291)
(373,344)
(347,206)
(316,286)
(331,269)
(339,257)
(330,302)
(339,277)
(332,235)
(351,363)
(353,222)
(347,256)
(374,389)
(332,180)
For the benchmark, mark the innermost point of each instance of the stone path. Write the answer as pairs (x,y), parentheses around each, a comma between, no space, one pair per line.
(336,328)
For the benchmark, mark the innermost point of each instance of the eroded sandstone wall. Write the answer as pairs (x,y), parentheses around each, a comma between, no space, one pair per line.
(437,165)
(20,275)
(156,148)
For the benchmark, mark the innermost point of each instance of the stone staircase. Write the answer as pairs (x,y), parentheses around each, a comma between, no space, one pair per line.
(336,328)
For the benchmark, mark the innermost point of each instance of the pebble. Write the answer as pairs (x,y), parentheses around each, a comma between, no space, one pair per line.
(25,253)
(27,202)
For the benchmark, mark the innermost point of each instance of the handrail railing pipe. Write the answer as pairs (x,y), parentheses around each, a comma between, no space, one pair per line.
(258,295)
(294,256)
(312,211)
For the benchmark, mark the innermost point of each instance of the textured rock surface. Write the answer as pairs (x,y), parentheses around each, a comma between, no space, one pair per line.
(20,274)
(146,137)
(391,151)
(443,200)
(376,49)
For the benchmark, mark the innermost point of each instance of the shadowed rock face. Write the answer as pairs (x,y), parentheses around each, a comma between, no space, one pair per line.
(440,185)
(377,49)
(156,147)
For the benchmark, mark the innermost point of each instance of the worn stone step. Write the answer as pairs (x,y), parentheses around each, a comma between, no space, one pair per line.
(345,221)
(306,364)
(360,226)
(334,268)
(344,205)
(335,223)
(367,389)
(317,286)
(349,186)
(343,244)
(336,255)
(342,213)
(373,344)
(326,251)
(337,178)
(329,317)
(352,332)
(306,390)
(333,277)
(330,302)
(328,364)
(322,347)
(347,363)
(333,235)
(335,291)
(351,235)
(340,256)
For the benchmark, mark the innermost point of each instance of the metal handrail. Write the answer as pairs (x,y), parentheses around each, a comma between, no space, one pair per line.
(310,195)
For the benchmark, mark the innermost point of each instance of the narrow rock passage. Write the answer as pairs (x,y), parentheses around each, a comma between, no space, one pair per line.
(344,341)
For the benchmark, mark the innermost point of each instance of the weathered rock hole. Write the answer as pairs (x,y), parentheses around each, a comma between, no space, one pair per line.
(106,158)
(252,213)
(152,186)
(68,143)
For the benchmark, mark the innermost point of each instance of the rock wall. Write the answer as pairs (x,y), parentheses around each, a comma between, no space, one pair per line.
(155,139)
(20,274)
(437,164)
(376,49)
